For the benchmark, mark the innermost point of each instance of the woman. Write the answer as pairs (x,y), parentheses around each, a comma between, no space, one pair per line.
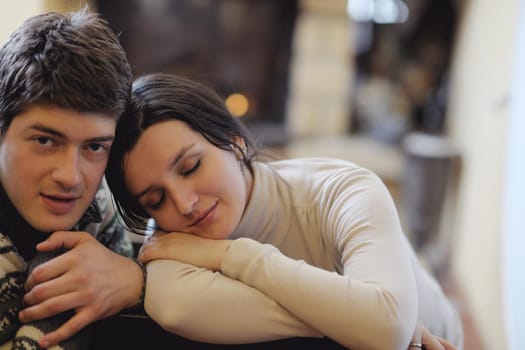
(303,247)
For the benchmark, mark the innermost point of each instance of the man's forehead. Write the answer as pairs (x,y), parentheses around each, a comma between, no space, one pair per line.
(65,123)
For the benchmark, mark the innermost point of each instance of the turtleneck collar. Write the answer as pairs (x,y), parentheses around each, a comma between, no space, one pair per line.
(264,210)
(13,225)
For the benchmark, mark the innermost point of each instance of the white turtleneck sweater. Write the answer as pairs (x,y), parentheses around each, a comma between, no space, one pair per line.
(319,252)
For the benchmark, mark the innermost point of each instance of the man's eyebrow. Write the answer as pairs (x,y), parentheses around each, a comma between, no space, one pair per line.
(57,133)
(48,130)
(177,159)
(101,138)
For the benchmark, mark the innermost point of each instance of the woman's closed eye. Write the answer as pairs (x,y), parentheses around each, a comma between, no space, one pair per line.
(154,200)
(192,168)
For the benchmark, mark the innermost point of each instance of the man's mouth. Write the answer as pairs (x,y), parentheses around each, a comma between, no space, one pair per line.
(59,204)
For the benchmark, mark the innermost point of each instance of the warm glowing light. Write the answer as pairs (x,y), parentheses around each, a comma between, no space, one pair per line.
(237,104)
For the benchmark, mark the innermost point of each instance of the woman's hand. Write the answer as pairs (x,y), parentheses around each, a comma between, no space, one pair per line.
(184,247)
(423,339)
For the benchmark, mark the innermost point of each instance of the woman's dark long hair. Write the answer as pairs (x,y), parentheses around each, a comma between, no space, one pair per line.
(160,97)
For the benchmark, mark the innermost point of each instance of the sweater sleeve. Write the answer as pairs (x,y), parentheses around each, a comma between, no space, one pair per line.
(12,278)
(372,302)
(186,303)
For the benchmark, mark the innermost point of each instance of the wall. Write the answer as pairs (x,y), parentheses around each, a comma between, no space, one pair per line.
(514,192)
(478,117)
(320,71)
(13,15)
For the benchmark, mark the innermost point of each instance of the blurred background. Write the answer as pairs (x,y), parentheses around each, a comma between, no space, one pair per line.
(428,94)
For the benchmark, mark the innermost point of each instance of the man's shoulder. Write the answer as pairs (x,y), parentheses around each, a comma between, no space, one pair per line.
(104,198)
(107,227)
(10,260)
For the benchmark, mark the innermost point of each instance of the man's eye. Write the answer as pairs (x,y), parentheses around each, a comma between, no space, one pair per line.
(97,147)
(43,140)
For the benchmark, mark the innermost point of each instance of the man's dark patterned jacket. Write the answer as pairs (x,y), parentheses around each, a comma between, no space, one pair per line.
(17,256)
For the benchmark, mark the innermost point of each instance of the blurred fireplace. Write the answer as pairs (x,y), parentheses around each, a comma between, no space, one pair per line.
(236,46)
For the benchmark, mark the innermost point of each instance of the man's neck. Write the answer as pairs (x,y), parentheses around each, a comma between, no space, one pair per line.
(13,225)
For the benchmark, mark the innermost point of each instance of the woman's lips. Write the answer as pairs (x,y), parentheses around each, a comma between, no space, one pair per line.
(207,217)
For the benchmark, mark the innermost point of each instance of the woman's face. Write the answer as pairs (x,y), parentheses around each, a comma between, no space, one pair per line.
(186,183)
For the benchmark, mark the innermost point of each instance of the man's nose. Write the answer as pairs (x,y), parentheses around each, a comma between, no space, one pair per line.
(67,168)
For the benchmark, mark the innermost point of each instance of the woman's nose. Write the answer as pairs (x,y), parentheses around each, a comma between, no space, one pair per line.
(185,201)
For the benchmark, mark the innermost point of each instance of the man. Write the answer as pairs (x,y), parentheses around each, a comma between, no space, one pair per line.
(64,82)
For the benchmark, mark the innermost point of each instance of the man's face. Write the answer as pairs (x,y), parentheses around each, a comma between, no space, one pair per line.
(52,160)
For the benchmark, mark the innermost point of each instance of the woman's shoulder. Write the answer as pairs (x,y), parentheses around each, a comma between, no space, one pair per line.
(315,175)
(317,166)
